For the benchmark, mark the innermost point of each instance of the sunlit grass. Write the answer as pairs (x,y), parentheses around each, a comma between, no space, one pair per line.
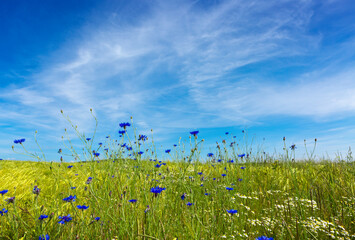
(274,197)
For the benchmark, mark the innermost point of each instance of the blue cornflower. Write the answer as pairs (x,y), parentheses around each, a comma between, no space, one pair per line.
(10,200)
(219,160)
(214,178)
(189,204)
(96,154)
(157,190)
(229,188)
(42,237)
(82,207)
(70,198)
(264,238)
(97,218)
(227,133)
(200,173)
(73,188)
(231,161)
(210,155)
(167,150)
(3,192)
(239,179)
(124,125)
(36,190)
(242,167)
(293,147)
(129,148)
(89,180)
(164,163)
(88,139)
(142,138)
(194,133)
(223,175)
(70,166)
(20,141)
(158,165)
(3,211)
(132,200)
(140,153)
(100,144)
(175,145)
(65,219)
(207,194)
(43,217)
(232,211)
(183,196)
(122,132)
(106,149)
(241,155)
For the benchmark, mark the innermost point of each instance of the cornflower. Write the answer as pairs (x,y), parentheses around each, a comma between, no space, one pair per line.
(232,211)
(65,219)
(42,237)
(3,192)
(229,189)
(264,238)
(43,217)
(125,125)
(82,207)
(157,190)
(20,141)
(3,211)
(36,190)
(132,200)
(10,200)
(168,151)
(70,198)
(194,133)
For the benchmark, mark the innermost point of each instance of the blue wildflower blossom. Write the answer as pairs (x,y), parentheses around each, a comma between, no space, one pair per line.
(125,125)
(167,150)
(42,237)
(122,132)
(132,200)
(157,190)
(97,218)
(82,207)
(207,194)
(70,166)
(242,168)
(3,192)
(175,145)
(210,155)
(200,173)
(3,211)
(229,189)
(70,198)
(293,147)
(232,211)
(96,154)
(223,175)
(264,238)
(43,217)
(140,153)
(88,139)
(158,165)
(227,133)
(189,204)
(142,138)
(194,133)
(100,144)
(219,160)
(241,155)
(20,141)
(183,196)
(65,219)
(73,188)
(89,180)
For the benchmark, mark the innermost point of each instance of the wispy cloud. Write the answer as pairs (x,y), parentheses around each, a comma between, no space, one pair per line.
(180,65)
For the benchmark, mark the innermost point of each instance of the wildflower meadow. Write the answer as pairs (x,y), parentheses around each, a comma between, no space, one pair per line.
(119,187)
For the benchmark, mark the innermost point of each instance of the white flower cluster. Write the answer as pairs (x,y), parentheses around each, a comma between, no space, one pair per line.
(317,225)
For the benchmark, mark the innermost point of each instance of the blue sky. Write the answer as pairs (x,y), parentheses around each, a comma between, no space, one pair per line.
(276,68)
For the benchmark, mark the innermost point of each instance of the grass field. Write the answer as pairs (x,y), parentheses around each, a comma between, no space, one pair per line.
(137,197)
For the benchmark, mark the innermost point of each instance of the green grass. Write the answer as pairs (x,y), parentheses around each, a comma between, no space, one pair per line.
(283,200)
